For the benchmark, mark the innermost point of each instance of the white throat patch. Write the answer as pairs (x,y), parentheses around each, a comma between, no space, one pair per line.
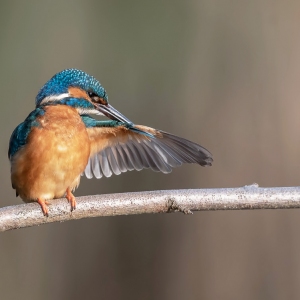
(54,98)
(88,111)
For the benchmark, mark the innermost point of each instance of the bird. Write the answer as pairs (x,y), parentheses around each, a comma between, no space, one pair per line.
(60,141)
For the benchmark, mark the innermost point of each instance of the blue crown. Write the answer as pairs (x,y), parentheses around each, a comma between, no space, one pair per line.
(61,81)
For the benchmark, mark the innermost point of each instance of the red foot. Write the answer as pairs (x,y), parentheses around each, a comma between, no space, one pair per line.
(43,203)
(71,199)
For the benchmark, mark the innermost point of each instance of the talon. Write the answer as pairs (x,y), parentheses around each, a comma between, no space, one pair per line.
(43,203)
(70,197)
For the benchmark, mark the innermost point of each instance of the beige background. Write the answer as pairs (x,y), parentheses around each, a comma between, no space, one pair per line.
(221,73)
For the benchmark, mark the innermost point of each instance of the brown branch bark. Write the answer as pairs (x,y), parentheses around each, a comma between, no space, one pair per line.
(186,201)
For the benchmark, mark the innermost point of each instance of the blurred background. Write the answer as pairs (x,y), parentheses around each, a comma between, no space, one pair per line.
(224,74)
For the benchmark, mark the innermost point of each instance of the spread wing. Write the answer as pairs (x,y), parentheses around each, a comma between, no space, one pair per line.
(119,149)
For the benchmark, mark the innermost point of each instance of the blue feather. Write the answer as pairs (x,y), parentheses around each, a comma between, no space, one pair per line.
(20,134)
(61,81)
(91,122)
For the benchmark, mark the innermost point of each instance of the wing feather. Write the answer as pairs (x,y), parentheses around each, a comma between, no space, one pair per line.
(96,166)
(136,157)
(125,159)
(120,149)
(103,161)
(112,161)
(88,170)
(121,159)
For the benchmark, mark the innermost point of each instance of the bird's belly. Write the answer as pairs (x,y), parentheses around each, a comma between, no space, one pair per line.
(51,161)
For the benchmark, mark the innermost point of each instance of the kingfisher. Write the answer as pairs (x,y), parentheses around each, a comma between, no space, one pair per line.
(60,140)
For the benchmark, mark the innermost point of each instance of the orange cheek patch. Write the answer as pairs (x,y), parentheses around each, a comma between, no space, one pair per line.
(78,93)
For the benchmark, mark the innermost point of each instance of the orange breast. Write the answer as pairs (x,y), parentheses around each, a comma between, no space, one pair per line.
(55,155)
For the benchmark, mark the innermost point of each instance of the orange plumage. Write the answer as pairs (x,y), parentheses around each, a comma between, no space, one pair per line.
(54,157)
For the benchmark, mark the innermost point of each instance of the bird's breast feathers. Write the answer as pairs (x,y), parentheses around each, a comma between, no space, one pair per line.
(54,156)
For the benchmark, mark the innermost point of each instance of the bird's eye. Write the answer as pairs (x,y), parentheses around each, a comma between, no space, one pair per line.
(97,99)
(91,94)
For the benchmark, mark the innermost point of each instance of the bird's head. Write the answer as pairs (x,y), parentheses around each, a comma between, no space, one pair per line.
(78,89)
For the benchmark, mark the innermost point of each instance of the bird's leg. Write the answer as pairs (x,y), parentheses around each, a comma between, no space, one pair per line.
(43,203)
(71,199)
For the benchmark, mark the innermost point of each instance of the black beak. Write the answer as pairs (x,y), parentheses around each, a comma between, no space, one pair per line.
(112,113)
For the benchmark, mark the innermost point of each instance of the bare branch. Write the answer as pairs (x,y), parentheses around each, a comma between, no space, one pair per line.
(186,201)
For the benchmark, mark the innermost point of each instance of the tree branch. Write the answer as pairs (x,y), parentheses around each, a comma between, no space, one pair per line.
(186,201)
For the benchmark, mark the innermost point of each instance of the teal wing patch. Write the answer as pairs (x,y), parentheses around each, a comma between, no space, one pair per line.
(19,136)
